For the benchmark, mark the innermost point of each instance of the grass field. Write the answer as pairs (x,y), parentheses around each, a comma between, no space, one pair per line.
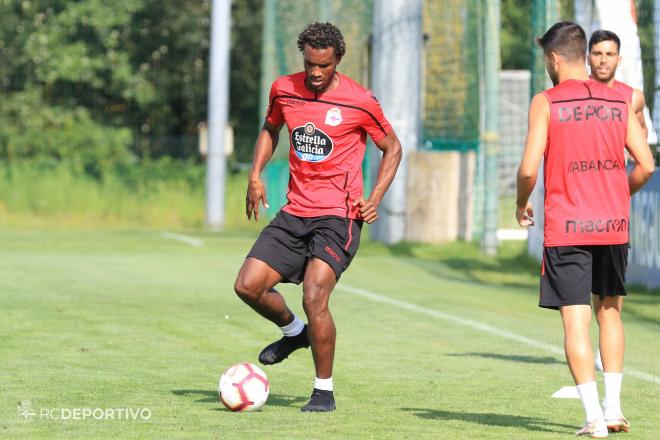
(433,343)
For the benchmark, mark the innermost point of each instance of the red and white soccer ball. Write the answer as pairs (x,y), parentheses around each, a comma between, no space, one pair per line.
(243,387)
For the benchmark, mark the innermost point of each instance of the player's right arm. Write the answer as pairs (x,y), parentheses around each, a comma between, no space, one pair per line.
(263,151)
(639,149)
(537,137)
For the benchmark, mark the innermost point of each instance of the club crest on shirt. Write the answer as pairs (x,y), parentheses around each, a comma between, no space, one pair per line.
(311,144)
(333,117)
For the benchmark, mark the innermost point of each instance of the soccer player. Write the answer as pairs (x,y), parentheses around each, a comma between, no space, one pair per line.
(604,59)
(316,234)
(581,127)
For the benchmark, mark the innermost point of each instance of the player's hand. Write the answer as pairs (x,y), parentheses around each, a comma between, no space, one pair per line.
(256,193)
(525,216)
(368,210)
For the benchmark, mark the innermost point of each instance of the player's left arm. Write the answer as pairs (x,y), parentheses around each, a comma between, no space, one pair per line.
(639,149)
(638,104)
(537,137)
(392,152)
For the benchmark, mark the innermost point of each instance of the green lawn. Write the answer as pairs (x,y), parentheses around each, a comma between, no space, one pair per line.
(433,343)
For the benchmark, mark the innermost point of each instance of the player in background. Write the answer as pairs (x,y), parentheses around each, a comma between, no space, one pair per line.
(604,59)
(581,127)
(316,234)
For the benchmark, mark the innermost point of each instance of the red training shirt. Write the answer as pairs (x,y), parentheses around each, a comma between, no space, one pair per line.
(587,199)
(327,134)
(624,89)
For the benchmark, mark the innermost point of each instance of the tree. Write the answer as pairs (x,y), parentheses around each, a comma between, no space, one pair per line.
(135,67)
(516,37)
(247,18)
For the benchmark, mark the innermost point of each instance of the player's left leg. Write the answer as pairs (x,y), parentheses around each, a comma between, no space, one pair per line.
(332,248)
(318,283)
(577,343)
(580,358)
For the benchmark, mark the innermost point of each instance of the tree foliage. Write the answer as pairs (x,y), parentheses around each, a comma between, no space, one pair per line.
(516,34)
(110,80)
(245,76)
(93,82)
(646,31)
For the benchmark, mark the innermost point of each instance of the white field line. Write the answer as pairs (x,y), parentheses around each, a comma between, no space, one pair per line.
(512,234)
(192,241)
(477,326)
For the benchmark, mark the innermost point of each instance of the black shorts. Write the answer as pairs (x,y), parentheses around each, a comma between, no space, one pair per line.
(288,242)
(570,274)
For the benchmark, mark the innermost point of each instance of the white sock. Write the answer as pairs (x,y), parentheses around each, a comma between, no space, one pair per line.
(323,384)
(294,327)
(589,396)
(599,360)
(613,391)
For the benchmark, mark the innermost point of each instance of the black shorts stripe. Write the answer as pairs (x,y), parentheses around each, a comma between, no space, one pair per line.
(348,195)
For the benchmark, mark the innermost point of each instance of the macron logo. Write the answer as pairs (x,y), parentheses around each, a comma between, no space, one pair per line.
(332,253)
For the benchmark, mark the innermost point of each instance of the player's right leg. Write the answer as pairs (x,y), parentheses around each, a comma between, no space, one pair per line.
(611,342)
(611,339)
(278,255)
(254,285)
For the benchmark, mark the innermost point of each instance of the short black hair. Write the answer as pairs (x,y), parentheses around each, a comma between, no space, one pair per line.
(603,35)
(321,36)
(566,39)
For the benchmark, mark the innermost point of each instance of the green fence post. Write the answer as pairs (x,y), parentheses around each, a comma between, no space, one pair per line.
(490,137)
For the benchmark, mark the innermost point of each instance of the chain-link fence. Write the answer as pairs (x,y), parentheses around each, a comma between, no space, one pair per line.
(452,114)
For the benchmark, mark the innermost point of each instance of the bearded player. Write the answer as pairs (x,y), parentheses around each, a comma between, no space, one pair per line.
(316,234)
(604,59)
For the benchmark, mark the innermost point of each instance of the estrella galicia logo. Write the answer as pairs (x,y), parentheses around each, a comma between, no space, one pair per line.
(310,143)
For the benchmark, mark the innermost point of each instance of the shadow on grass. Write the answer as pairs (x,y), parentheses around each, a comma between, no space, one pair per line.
(635,299)
(206,395)
(512,267)
(287,401)
(642,295)
(209,396)
(492,419)
(640,316)
(512,357)
(643,305)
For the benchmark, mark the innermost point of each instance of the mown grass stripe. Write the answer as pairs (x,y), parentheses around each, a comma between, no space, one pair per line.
(478,326)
